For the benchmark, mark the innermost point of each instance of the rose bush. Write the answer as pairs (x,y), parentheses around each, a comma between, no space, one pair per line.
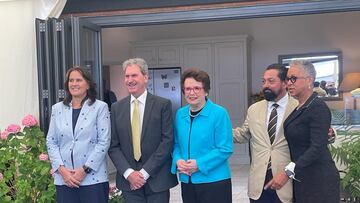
(24,165)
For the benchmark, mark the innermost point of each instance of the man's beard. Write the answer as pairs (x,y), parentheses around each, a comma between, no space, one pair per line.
(269,94)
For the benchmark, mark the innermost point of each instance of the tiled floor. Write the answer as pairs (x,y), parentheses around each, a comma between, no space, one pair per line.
(239,185)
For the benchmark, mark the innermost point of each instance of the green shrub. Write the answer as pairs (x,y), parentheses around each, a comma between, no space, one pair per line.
(348,154)
(24,165)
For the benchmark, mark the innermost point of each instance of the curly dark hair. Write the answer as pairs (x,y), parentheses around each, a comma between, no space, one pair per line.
(91,92)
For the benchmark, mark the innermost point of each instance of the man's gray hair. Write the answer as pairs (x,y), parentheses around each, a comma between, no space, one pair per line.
(139,62)
(306,65)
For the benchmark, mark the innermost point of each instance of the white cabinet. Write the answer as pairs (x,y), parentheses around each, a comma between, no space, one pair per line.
(169,55)
(158,56)
(231,82)
(231,78)
(148,53)
(199,56)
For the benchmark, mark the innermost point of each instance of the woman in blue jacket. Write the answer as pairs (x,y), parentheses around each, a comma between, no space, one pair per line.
(78,140)
(203,143)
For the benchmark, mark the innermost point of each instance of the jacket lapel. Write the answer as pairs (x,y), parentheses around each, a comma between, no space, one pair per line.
(68,119)
(185,114)
(292,103)
(147,113)
(263,121)
(126,115)
(298,112)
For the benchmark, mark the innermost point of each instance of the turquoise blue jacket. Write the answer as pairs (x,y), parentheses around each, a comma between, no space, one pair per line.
(208,140)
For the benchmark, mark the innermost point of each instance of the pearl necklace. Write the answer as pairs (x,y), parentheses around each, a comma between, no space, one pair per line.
(193,116)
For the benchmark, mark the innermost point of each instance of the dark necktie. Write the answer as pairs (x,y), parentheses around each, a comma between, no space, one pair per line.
(272,123)
(272,127)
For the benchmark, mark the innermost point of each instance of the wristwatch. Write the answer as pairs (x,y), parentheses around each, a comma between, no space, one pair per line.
(87,169)
(289,173)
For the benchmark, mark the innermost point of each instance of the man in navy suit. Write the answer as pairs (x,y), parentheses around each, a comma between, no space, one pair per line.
(142,161)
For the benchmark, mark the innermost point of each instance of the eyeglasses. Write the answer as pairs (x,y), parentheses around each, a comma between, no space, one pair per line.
(293,79)
(196,89)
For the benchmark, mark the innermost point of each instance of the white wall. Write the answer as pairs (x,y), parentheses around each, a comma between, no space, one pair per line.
(18,87)
(271,37)
(117,81)
(19,82)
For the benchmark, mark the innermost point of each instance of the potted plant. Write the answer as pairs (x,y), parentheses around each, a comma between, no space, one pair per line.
(347,154)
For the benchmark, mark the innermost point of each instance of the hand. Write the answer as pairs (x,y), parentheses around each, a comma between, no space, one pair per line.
(277,182)
(79,174)
(192,166)
(182,167)
(67,175)
(331,135)
(136,180)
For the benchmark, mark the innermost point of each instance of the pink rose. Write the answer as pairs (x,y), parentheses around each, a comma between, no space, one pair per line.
(4,135)
(43,157)
(13,128)
(29,121)
(1,176)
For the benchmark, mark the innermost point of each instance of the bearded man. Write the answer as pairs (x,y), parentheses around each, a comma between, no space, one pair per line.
(263,128)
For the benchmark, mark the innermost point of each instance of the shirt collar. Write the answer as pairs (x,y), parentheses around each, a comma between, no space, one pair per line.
(282,102)
(141,98)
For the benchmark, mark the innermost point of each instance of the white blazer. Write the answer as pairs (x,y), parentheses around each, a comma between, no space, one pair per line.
(89,143)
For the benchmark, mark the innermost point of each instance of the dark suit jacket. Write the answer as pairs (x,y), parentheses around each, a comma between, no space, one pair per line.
(156,142)
(306,131)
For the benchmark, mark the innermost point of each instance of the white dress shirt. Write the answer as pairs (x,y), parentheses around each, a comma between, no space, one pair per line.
(141,99)
(280,111)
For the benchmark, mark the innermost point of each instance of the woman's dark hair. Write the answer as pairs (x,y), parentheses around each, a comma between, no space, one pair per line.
(198,75)
(91,92)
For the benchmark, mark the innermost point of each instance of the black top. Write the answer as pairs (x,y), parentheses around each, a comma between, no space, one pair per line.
(193,114)
(75,116)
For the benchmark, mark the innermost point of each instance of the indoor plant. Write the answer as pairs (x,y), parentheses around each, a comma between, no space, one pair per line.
(347,153)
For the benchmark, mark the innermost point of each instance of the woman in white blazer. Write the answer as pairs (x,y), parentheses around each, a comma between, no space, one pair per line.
(78,140)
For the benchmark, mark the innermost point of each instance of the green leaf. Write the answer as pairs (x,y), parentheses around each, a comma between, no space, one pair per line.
(19,163)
